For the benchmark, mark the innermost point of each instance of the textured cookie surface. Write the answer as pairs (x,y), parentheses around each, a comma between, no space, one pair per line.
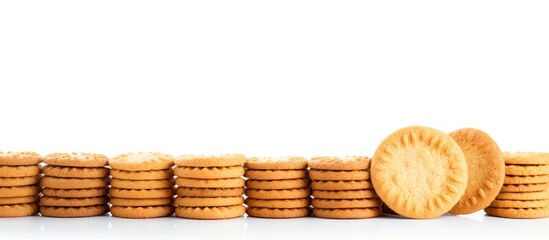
(210,192)
(275,174)
(541,212)
(141,193)
(341,185)
(280,163)
(526,158)
(76,159)
(141,212)
(315,174)
(210,161)
(18,210)
(19,158)
(210,212)
(72,202)
(340,163)
(142,161)
(209,172)
(20,191)
(354,213)
(75,172)
(18,200)
(75,193)
(72,183)
(524,195)
(278,203)
(142,184)
(277,184)
(18,181)
(278,194)
(88,211)
(210,183)
(208,201)
(525,170)
(526,179)
(278,212)
(520,203)
(142,175)
(141,202)
(532,187)
(345,203)
(19,171)
(345,194)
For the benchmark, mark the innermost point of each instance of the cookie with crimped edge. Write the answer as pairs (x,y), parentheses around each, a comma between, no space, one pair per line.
(278,203)
(208,201)
(18,210)
(19,171)
(142,161)
(278,212)
(19,181)
(72,212)
(275,174)
(75,159)
(209,192)
(316,174)
(341,185)
(141,212)
(19,158)
(19,191)
(222,160)
(75,193)
(526,179)
(342,213)
(141,193)
(346,163)
(209,172)
(278,194)
(210,212)
(524,195)
(210,183)
(485,169)
(140,202)
(72,202)
(520,203)
(523,213)
(344,194)
(276,163)
(18,200)
(277,184)
(75,172)
(531,187)
(419,172)
(142,184)
(72,183)
(345,203)
(526,158)
(142,175)
(525,170)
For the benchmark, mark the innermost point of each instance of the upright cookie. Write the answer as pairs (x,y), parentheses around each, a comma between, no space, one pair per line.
(19,158)
(280,163)
(142,161)
(76,159)
(224,160)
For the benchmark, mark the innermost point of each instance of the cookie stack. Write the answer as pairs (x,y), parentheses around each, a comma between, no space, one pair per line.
(525,191)
(74,185)
(209,187)
(142,185)
(19,174)
(342,188)
(277,187)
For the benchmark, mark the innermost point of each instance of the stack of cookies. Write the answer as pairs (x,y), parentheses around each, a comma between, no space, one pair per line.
(277,187)
(74,185)
(19,174)
(342,188)
(142,185)
(525,191)
(210,187)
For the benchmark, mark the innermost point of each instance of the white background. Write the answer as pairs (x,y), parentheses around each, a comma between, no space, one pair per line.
(286,77)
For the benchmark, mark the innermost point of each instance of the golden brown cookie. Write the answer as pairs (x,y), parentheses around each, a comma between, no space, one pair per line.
(223,160)
(18,210)
(75,193)
(525,170)
(76,159)
(419,172)
(520,203)
(280,163)
(72,202)
(18,200)
(73,183)
(66,212)
(315,174)
(485,169)
(140,202)
(141,193)
(208,201)
(210,183)
(20,191)
(347,163)
(19,158)
(142,175)
(210,212)
(75,172)
(210,192)
(19,171)
(532,187)
(278,203)
(277,184)
(528,158)
(142,161)
(345,203)
(541,195)
(19,181)
(526,179)
(341,185)
(345,194)
(141,212)
(275,174)
(341,213)
(278,212)
(541,212)
(209,172)
(279,194)
(142,184)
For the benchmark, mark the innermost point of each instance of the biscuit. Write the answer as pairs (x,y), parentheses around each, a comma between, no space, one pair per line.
(20,191)
(419,172)
(279,194)
(209,172)
(275,174)
(143,202)
(18,200)
(524,213)
(210,183)
(72,183)
(142,184)
(541,195)
(347,163)
(532,187)
(19,171)
(210,212)
(142,161)
(278,203)
(223,160)
(141,193)
(520,203)
(342,213)
(345,203)
(526,179)
(485,168)
(277,184)
(141,212)
(278,212)
(19,158)
(345,194)
(72,202)
(280,163)
(19,181)
(208,201)
(75,193)
(75,172)
(341,185)
(210,192)
(76,159)
(66,212)
(315,174)
(529,158)
(142,175)
(18,210)
(525,170)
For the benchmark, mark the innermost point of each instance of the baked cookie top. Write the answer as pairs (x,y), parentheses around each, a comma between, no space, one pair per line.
(142,161)
(76,159)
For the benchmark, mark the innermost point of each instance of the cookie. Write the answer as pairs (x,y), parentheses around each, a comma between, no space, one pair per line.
(18,200)
(141,212)
(141,193)
(143,202)
(278,212)
(419,172)
(345,194)
(19,171)
(142,184)
(524,196)
(341,213)
(526,179)
(76,159)
(73,183)
(209,172)
(315,174)
(224,160)
(75,172)
(19,181)
(19,158)
(210,212)
(210,192)
(541,212)
(20,191)
(208,201)
(142,161)
(525,170)
(75,193)
(532,187)
(210,183)
(520,203)
(481,153)
(341,185)
(278,203)
(279,194)
(346,163)
(142,175)
(277,184)
(280,163)
(345,203)
(275,174)
(528,158)
(72,202)
(18,210)
(66,212)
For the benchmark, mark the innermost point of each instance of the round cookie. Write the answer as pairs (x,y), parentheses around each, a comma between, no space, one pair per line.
(278,212)
(143,202)
(19,171)
(275,174)
(210,212)
(279,194)
(19,158)
(341,185)
(223,160)
(208,201)
(73,183)
(346,163)
(525,170)
(345,203)
(524,213)
(18,200)
(142,175)
(345,194)
(209,172)
(532,187)
(75,172)
(142,161)
(210,192)
(419,172)
(277,184)
(76,159)
(142,184)
(280,163)
(278,203)
(141,193)
(316,174)
(210,183)
(526,179)
(18,210)
(19,181)
(527,158)
(541,195)
(75,193)
(72,202)
(66,212)
(485,168)
(519,203)
(341,213)
(20,191)
(141,212)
